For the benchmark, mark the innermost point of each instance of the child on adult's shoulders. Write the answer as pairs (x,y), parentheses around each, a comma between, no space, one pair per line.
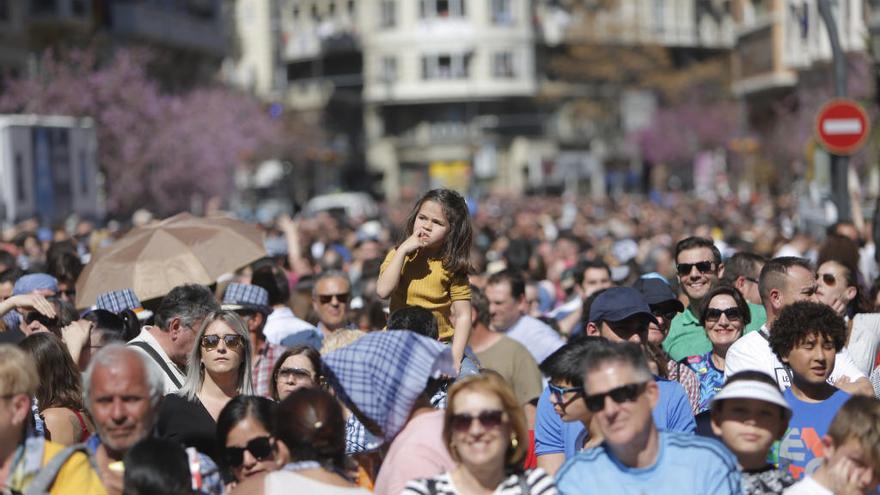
(806,338)
(749,414)
(850,464)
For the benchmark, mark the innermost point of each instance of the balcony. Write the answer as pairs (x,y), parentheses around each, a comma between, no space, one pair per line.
(169,26)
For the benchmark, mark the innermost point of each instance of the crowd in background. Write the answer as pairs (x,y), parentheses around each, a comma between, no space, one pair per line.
(611,346)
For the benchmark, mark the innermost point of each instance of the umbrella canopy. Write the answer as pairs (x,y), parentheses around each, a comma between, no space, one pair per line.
(182,249)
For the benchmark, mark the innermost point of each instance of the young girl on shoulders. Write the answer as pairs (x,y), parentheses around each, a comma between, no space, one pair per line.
(429,268)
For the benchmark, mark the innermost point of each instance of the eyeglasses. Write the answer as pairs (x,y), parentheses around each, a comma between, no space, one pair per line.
(233,342)
(488,419)
(625,393)
(297,374)
(559,391)
(260,448)
(752,280)
(828,278)
(702,266)
(732,314)
(326,298)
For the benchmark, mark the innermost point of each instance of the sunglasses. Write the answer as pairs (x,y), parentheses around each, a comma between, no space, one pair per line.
(260,448)
(732,314)
(233,342)
(296,373)
(558,393)
(702,266)
(40,318)
(625,393)
(488,419)
(828,278)
(326,298)
(666,315)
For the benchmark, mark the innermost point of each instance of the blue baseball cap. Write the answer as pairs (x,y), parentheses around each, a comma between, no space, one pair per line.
(619,303)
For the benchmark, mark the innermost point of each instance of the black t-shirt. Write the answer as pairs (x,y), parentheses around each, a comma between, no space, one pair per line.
(189,423)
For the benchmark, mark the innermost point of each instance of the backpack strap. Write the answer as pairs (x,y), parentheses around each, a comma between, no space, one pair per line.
(158,359)
(45,478)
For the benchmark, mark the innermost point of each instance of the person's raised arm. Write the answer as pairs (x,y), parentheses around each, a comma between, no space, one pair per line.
(290,228)
(28,301)
(461,311)
(389,277)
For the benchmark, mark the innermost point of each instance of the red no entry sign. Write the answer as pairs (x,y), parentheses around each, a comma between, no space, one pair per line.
(842,126)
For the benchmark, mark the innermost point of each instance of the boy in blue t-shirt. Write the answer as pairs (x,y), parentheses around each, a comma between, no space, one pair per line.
(806,337)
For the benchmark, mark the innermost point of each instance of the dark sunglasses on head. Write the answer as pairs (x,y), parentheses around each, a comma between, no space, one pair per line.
(234,342)
(489,420)
(829,279)
(624,393)
(260,448)
(702,267)
(326,298)
(732,314)
(295,373)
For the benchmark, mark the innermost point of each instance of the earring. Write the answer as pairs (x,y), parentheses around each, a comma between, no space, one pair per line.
(514,443)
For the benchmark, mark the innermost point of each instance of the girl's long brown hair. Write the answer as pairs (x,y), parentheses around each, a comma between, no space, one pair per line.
(457,245)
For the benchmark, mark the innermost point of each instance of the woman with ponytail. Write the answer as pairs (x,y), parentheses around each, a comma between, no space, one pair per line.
(310,425)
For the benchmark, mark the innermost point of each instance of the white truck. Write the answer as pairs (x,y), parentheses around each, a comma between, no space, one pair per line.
(48,168)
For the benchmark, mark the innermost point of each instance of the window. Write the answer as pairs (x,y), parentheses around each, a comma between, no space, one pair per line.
(388,69)
(4,10)
(445,66)
(78,7)
(387,13)
(502,12)
(350,7)
(315,16)
(296,12)
(441,8)
(332,9)
(502,65)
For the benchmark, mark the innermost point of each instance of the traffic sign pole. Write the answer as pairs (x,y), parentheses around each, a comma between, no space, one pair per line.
(841,127)
(839,163)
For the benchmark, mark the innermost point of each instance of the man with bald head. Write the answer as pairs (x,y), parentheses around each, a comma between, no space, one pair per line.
(123,391)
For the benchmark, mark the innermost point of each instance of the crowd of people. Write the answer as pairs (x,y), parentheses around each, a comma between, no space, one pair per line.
(501,346)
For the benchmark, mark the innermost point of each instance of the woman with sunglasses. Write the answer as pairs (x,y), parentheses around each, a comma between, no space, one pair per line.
(243,434)
(486,434)
(219,369)
(309,426)
(296,368)
(724,315)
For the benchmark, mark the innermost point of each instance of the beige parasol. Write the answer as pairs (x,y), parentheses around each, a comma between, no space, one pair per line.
(182,249)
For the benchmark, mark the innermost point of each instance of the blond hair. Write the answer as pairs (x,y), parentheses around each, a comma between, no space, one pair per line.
(339,339)
(859,419)
(491,383)
(18,373)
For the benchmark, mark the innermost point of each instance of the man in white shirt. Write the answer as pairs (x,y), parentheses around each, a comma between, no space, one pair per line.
(785,281)
(169,342)
(281,322)
(506,293)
